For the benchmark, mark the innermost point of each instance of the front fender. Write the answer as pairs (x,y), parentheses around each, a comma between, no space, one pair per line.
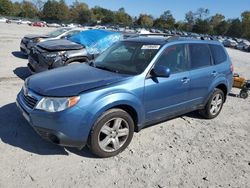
(116,99)
(99,105)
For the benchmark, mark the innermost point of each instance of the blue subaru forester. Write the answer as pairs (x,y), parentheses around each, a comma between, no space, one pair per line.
(136,82)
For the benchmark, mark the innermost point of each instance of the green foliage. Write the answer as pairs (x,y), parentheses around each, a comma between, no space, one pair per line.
(122,18)
(6,8)
(27,10)
(55,11)
(145,20)
(201,26)
(246,24)
(79,12)
(166,21)
(235,28)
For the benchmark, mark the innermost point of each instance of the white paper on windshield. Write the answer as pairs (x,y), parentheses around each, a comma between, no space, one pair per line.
(150,47)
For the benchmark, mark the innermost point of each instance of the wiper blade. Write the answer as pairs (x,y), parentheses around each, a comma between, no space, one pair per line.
(106,68)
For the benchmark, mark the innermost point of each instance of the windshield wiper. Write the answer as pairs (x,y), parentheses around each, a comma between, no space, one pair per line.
(106,68)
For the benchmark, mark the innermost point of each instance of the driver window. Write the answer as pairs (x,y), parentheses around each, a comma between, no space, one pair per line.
(174,58)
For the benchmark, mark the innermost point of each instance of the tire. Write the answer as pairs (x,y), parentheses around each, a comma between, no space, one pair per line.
(243,94)
(214,104)
(104,140)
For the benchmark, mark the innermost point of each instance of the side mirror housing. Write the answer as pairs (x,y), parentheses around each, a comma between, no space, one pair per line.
(160,71)
(64,37)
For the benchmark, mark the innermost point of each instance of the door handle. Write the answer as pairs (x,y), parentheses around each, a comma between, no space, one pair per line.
(185,80)
(214,73)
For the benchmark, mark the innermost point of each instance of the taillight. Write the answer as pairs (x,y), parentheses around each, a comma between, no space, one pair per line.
(232,68)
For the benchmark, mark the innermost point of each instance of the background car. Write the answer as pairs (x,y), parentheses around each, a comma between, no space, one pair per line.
(24,22)
(3,19)
(230,43)
(38,24)
(82,47)
(29,41)
(53,25)
(243,45)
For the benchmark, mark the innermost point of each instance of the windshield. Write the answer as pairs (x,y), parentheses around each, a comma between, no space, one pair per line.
(127,57)
(57,32)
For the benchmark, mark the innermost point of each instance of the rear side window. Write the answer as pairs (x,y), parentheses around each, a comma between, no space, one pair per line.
(218,53)
(199,55)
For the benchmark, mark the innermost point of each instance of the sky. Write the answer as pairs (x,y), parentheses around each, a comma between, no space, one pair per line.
(229,8)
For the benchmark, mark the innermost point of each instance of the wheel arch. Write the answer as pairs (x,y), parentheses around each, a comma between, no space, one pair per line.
(79,58)
(223,88)
(131,111)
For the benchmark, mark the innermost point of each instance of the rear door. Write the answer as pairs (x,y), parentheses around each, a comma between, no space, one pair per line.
(167,96)
(202,72)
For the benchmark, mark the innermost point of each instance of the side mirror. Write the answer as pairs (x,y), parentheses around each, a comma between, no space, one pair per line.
(64,37)
(160,71)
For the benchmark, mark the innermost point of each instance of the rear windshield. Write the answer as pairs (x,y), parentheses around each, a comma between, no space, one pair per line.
(219,55)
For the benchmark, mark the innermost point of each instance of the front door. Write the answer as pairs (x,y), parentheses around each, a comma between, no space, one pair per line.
(167,96)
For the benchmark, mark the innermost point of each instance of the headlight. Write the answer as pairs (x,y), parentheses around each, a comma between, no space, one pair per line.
(57,104)
(50,55)
(36,40)
(61,53)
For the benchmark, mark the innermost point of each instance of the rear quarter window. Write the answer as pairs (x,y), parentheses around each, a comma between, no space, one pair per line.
(200,55)
(218,53)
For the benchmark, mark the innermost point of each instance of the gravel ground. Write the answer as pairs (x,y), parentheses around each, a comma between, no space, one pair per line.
(183,152)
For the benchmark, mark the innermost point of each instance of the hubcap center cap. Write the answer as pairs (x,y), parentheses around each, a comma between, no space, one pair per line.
(113,134)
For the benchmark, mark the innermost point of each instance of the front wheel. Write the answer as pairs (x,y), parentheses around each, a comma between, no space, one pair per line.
(214,104)
(112,133)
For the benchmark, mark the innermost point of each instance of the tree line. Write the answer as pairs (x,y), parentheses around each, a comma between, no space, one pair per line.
(199,21)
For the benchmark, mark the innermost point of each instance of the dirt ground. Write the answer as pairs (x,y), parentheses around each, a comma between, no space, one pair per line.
(183,152)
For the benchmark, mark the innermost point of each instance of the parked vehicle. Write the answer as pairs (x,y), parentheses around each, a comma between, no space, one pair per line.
(82,47)
(24,22)
(247,49)
(17,21)
(230,43)
(135,83)
(38,24)
(243,45)
(3,20)
(29,41)
(53,25)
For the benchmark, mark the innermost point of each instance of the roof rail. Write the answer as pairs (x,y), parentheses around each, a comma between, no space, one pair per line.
(151,35)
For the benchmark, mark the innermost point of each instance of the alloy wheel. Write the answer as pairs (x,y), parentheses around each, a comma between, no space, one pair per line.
(113,134)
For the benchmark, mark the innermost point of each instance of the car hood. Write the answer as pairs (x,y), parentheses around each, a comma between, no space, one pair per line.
(59,45)
(35,36)
(71,80)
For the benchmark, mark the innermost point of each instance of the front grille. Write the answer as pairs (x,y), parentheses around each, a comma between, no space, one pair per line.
(34,54)
(29,101)
(42,133)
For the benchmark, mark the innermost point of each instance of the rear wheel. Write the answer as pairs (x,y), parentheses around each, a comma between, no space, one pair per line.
(214,105)
(112,133)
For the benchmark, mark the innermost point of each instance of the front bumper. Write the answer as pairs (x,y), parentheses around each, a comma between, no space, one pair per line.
(35,67)
(64,128)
